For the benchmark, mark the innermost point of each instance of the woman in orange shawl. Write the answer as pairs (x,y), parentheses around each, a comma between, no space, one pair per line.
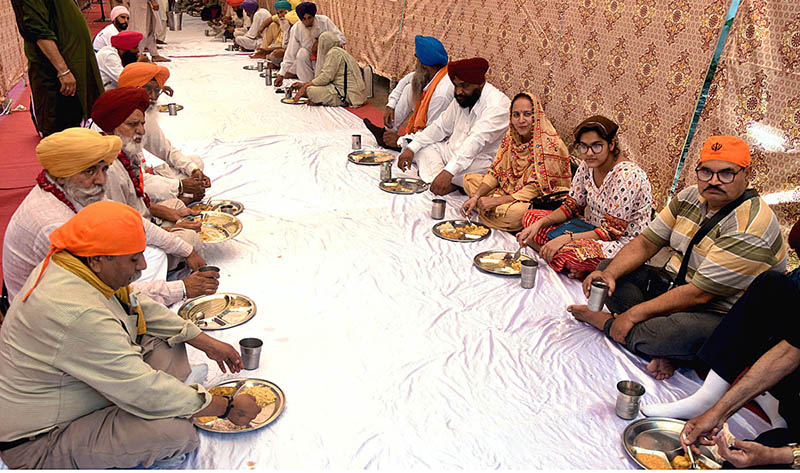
(531,161)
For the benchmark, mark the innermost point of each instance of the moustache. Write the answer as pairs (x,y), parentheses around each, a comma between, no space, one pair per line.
(716,188)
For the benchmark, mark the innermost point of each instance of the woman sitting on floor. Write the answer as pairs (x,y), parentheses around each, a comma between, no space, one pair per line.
(609,203)
(339,81)
(531,161)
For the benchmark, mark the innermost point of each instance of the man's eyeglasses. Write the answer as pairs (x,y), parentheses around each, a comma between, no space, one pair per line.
(596,148)
(726,176)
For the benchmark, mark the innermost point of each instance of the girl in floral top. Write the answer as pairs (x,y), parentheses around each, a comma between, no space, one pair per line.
(608,191)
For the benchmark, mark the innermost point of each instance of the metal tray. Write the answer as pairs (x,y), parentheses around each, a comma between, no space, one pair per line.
(462,238)
(366,157)
(165,108)
(658,433)
(263,75)
(250,67)
(302,101)
(415,186)
(236,207)
(218,311)
(217,226)
(268,413)
(492,269)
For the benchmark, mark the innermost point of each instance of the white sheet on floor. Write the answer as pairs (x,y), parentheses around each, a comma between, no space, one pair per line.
(392,349)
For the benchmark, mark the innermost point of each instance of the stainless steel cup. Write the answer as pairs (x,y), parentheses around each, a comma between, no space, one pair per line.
(288,92)
(628,397)
(437,211)
(527,272)
(251,352)
(386,171)
(208,268)
(260,66)
(173,109)
(597,295)
(356,142)
(268,78)
(227,208)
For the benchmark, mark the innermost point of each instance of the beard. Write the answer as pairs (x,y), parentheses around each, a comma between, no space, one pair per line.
(82,196)
(132,149)
(419,81)
(467,101)
(135,276)
(121,26)
(128,57)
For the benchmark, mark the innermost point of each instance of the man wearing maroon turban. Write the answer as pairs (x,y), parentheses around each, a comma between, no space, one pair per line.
(465,137)
(124,50)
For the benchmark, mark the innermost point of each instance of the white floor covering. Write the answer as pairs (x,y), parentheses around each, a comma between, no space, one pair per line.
(393,351)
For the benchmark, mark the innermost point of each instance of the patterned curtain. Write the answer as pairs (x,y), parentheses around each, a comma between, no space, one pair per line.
(12,58)
(756,95)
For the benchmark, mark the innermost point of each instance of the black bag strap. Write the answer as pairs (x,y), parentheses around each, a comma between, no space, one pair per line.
(343,97)
(4,302)
(706,227)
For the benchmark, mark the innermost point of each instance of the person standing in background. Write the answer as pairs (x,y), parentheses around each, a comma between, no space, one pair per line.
(144,19)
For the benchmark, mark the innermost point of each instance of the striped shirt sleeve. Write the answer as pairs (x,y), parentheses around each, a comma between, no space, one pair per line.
(732,263)
(660,229)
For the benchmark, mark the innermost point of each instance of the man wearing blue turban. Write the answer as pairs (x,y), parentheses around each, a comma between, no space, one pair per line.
(275,31)
(300,59)
(252,38)
(420,96)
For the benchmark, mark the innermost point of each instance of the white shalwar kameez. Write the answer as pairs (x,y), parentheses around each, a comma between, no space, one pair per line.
(103,38)
(297,59)
(401,99)
(462,140)
(251,39)
(110,65)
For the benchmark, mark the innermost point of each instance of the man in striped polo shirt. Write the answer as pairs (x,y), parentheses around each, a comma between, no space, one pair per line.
(672,325)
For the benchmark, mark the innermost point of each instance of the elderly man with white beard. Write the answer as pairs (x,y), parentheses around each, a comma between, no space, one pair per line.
(420,97)
(75,164)
(182,175)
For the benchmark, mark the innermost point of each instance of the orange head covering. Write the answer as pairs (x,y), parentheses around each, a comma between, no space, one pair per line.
(73,150)
(726,148)
(102,228)
(140,73)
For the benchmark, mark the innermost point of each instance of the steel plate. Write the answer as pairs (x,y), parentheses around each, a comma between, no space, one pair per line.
(369,157)
(403,186)
(491,268)
(657,433)
(218,205)
(250,67)
(218,311)
(217,226)
(165,108)
(460,224)
(301,101)
(269,413)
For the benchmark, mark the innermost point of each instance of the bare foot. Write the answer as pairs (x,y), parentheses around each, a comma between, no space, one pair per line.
(160,59)
(661,368)
(595,319)
(259,54)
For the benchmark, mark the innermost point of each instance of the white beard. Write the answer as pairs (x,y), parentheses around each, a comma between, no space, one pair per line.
(80,196)
(132,150)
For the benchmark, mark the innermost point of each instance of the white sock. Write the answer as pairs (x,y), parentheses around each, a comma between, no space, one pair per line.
(702,400)
(769,405)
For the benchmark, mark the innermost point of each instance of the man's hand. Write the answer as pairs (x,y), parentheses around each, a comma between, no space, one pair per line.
(388,117)
(195,261)
(205,180)
(405,159)
(750,454)
(442,184)
(702,428)
(601,275)
(194,225)
(278,80)
(201,284)
(486,204)
(621,328)
(528,235)
(193,186)
(218,351)
(244,409)
(549,250)
(168,90)
(68,84)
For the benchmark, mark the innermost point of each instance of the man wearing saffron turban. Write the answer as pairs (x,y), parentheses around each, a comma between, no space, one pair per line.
(422,94)
(465,137)
(76,163)
(93,374)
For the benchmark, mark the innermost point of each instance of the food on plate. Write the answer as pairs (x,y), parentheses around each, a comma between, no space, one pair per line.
(202,207)
(498,262)
(653,462)
(727,435)
(222,391)
(682,462)
(459,233)
(209,233)
(397,187)
(263,394)
(206,420)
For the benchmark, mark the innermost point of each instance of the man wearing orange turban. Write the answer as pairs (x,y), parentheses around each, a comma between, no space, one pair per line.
(465,137)
(723,236)
(92,372)
(75,164)
(182,176)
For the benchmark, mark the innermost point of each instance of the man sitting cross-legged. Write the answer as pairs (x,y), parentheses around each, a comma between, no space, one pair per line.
(93,374)
(123,50)
(672,325)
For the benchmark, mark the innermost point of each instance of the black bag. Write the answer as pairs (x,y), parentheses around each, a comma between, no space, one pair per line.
(550,201)
(660,281)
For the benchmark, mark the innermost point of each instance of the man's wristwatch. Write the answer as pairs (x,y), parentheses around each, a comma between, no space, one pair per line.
(796,455)
(227,409)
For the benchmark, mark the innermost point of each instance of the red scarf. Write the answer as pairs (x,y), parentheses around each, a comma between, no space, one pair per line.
(138,184)
(48,186)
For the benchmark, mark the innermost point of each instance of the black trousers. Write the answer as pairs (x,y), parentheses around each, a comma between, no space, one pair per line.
(53,112)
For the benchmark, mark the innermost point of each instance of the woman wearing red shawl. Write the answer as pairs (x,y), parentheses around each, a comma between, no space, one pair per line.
(531,161)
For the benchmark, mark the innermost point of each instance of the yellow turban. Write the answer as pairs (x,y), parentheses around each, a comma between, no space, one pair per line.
(73,150)
(138,74)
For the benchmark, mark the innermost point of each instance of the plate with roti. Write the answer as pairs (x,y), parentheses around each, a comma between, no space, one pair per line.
(461,231)
(233,207)
(268,396)
(165,108)
(291,101)
(403,186)
(499,262)
(216,226)
(654,443)
(368,157)
(250,67)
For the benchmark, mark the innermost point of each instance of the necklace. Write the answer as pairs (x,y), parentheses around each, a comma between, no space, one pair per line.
(48,186)
(138,184)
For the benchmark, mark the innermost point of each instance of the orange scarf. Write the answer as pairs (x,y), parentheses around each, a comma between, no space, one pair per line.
(419,119)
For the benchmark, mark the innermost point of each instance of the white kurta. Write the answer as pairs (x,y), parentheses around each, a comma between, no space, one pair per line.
(144,20)
(297,59)
(103,38)
(252,40)
(462,140)
(27,242)
(110,65)
(401,99)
